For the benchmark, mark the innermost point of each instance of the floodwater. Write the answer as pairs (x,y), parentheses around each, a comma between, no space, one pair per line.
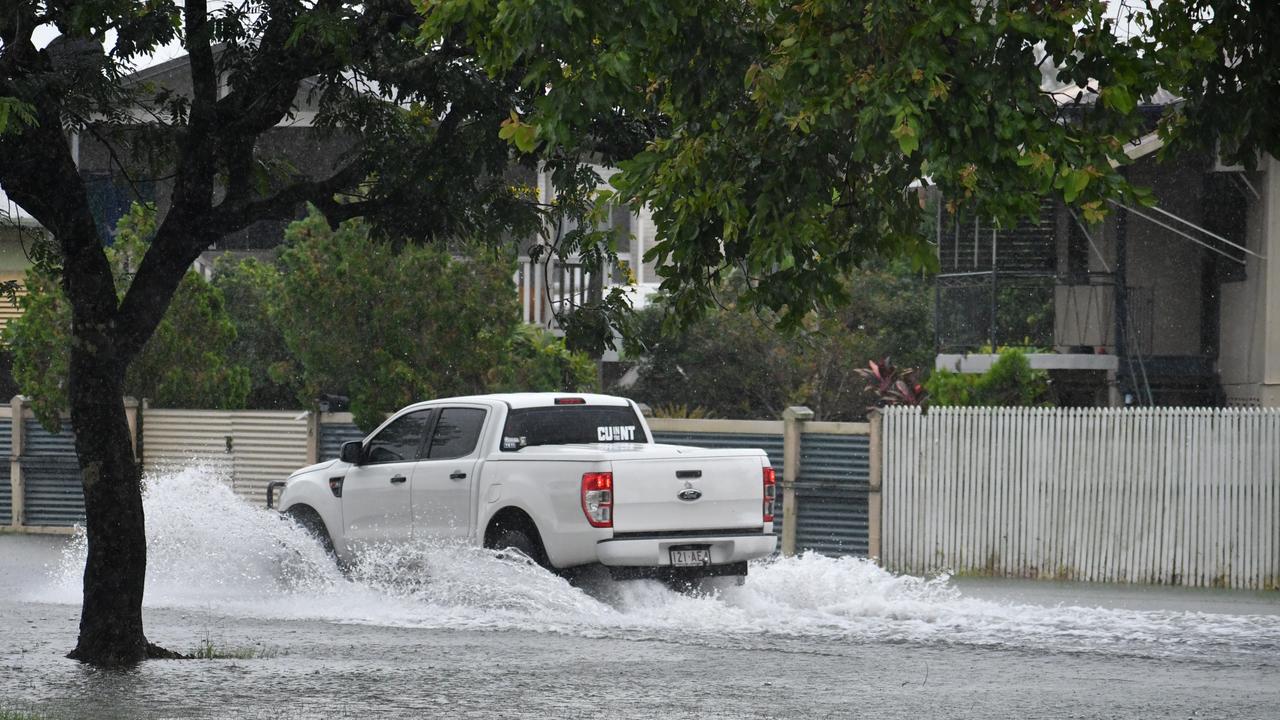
(449,631)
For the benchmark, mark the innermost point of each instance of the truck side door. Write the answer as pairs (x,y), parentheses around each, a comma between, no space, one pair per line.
(443,481)
(376,493)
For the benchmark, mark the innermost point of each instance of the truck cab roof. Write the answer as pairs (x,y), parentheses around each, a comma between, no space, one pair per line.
(517,401)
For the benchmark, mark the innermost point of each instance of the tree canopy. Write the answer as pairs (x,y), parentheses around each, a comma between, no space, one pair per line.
(735,364)
(792,130)
(389,326)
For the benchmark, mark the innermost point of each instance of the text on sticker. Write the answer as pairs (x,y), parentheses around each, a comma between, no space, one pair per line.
(616,433)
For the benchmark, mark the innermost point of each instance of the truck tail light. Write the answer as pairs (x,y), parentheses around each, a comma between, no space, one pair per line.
(597,498)
(770,492)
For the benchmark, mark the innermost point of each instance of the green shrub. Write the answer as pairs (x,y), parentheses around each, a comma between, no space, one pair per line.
(1011,382)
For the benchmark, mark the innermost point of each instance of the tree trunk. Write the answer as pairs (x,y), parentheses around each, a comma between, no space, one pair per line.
(115,570)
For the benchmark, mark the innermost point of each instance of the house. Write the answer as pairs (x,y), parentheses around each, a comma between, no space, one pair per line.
(550,287)
(18,234)
(1177,304)
(124,171)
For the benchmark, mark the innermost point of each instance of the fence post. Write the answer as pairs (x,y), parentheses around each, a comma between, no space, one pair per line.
(313,436)
(874,480)
(131,416)
(793,419)
(18,510)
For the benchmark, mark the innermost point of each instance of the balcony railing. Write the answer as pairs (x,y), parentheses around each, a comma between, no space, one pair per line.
(549,288)
(1077,314)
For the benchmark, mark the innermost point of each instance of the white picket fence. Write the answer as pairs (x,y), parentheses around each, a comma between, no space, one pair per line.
(1184,496)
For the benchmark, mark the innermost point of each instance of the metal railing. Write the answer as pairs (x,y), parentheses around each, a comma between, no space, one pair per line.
(549,288)
(977,310)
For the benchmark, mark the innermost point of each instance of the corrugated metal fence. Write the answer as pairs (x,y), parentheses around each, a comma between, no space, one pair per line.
(249,447)
(336,429)
(1166,495)
(6,481)
(1189,496)
(51,476)
(40,487)
(831,492)
(830,484)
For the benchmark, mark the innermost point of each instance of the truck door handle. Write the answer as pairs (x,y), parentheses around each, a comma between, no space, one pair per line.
(397,479)
(457,475)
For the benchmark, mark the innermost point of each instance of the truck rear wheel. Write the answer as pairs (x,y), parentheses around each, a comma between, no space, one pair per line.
(517,539)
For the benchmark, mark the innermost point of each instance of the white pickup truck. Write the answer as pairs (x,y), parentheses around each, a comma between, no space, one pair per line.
(569,480)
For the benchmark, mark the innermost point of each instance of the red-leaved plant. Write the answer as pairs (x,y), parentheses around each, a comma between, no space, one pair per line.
(891,385)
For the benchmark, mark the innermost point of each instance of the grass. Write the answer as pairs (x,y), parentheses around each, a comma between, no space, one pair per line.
(207,650)
(20,715)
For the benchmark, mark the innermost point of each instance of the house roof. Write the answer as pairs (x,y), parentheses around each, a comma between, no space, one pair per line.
(176,69)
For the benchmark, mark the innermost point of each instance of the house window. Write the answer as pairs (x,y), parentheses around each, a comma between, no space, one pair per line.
(110,195)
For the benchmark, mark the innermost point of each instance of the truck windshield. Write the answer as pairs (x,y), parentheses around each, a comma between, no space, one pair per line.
(571,424)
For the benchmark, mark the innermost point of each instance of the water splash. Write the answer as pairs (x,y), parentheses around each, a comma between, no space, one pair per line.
(209,549)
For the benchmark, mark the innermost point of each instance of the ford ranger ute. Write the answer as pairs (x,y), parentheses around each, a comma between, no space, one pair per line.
(567,480)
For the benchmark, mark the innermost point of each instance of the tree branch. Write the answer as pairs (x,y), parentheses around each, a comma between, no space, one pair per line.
(17,25)
(184,238)
(230,217)
(339,212)
(193,189)
(204,75)
(264,91)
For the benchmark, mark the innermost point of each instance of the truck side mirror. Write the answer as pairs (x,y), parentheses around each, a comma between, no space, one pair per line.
(351,452)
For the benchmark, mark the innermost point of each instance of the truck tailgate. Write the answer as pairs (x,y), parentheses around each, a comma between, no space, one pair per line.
(701,490)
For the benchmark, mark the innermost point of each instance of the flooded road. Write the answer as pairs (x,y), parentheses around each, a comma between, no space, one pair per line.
(432,631)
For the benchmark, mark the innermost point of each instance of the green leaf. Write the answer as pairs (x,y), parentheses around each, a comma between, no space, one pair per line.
(526,137)
(1118,98)
(906,134)
(1074,183)
(13,110)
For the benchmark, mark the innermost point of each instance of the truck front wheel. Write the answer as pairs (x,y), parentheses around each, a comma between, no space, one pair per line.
(309,520)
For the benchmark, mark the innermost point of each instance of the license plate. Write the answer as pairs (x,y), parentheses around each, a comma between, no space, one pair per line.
(691,557)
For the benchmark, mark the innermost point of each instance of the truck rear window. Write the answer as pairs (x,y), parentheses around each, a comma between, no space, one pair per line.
(571,424)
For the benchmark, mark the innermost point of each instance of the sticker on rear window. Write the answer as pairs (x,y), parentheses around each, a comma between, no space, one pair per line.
(512,443)
(616,433)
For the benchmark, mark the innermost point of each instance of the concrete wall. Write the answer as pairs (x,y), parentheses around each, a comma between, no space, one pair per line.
(1244,312)
(1270,295)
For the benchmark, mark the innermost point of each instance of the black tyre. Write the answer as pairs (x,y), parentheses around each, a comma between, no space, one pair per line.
(310,521)
(518,539)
